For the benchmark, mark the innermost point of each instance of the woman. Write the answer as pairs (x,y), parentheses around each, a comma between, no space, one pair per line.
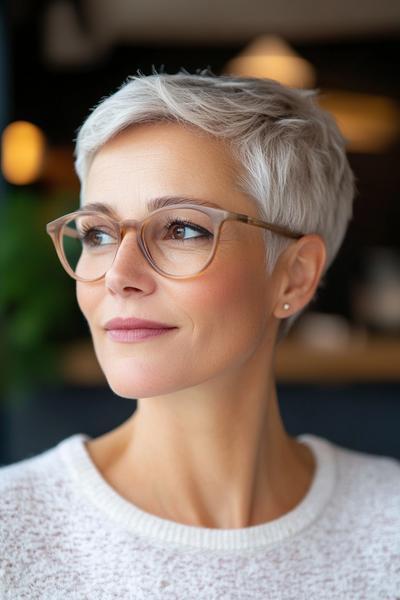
(211,208)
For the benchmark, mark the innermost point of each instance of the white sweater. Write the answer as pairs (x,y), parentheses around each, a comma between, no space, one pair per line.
(65,533)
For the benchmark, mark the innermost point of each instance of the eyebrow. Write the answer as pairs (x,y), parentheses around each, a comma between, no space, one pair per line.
(152,204)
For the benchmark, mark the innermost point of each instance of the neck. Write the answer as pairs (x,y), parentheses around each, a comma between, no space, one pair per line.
(207,459)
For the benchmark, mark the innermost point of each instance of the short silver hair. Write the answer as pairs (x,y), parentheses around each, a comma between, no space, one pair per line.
(292,152)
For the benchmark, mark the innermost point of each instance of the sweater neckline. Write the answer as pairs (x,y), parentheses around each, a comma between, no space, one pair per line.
(89,481)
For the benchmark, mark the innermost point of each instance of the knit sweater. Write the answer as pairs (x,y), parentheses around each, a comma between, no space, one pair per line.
(65,533)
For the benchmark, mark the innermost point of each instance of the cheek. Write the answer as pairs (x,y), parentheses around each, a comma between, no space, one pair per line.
(228,306)
(81,298)
(223,314)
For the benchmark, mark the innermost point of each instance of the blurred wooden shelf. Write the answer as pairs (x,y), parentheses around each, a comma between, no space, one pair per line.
(376,358)
(79,365)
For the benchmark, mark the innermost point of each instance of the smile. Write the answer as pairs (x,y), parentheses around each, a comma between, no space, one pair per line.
(136,335)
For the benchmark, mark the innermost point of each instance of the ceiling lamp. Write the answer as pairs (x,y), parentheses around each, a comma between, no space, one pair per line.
(22,152)
(64,41)
(269,56)
(371,124)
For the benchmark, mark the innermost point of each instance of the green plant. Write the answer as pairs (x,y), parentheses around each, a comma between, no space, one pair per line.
(38,310)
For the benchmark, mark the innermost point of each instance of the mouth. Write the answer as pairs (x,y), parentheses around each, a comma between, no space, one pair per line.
(135,323)
(133,329)
(137,334)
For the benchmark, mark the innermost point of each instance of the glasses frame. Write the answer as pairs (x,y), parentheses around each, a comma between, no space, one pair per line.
(217,215)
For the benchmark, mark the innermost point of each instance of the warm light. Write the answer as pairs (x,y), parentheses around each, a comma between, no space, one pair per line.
(23,146)
(369,123)
(269,56)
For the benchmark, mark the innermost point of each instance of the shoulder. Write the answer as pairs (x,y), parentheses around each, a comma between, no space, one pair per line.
(30,491)
(34,511)
(362,472)
(365,487)
(24,483)
(24,474)
(358,476)
(357,535)
(367,497)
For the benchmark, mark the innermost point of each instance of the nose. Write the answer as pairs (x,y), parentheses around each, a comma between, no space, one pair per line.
(130,269)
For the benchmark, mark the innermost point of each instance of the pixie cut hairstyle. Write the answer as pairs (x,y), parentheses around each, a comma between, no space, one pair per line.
(293,155)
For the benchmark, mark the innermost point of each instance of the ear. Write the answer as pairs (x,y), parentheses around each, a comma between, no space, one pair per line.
(300,272)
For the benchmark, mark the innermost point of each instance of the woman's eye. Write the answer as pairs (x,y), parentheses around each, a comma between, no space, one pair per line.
(179,231)
(187,231)
(96,237)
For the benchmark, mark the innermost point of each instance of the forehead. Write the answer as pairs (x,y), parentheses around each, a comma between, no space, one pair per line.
(154,160)
(169,140)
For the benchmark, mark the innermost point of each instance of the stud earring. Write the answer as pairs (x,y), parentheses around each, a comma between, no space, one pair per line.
(286,306)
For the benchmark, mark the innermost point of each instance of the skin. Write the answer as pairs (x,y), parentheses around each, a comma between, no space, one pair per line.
(207,421)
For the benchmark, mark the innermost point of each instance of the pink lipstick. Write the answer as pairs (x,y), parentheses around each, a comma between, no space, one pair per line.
(133,329)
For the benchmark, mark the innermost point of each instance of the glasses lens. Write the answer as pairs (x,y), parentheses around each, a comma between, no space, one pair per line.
(180,240)
(89,244)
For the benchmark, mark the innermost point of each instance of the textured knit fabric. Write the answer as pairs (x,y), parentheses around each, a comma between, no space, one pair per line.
(65,533)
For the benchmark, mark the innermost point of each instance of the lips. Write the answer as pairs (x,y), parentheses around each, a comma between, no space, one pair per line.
(133,323)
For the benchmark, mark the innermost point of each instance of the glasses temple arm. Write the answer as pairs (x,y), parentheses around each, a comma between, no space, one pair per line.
(275,228)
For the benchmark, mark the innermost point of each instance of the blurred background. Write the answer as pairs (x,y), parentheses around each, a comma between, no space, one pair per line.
(339,368)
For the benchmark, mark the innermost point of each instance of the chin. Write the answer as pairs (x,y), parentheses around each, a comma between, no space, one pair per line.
(134,381)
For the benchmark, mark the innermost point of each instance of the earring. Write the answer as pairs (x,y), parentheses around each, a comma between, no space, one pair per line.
(286,306)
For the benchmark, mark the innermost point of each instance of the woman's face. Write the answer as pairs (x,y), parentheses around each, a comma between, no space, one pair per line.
(223,316)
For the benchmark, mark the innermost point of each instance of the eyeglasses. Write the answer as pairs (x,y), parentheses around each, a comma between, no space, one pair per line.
(177,241)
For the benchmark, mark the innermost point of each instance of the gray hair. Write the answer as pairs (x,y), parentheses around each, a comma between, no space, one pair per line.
(293,155)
